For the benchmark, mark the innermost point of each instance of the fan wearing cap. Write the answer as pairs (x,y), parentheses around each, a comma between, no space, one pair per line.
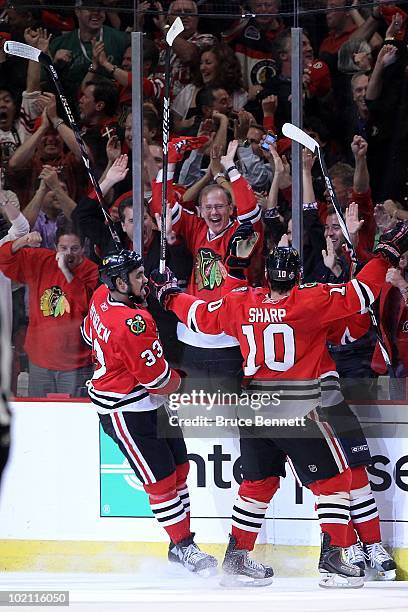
(129,388)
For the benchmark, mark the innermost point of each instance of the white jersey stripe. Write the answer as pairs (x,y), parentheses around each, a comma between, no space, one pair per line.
(369,292)
(253,215)
(191,316)
(161,380)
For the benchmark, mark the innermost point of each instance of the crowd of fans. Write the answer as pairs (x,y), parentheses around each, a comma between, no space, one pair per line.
(230,89)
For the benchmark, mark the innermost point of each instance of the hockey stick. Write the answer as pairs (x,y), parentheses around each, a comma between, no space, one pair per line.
(35,55)
(175,29)
(294,133)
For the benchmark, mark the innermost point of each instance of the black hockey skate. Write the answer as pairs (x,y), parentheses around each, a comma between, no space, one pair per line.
(187,554)
(240,570)
(336,571)
(380,564)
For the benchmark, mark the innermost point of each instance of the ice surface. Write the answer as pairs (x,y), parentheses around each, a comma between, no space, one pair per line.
(159,587)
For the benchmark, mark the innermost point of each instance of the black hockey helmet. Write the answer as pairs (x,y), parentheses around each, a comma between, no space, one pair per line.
(283,266)
(118,264)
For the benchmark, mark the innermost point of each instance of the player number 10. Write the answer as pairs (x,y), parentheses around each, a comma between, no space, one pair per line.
(269,335)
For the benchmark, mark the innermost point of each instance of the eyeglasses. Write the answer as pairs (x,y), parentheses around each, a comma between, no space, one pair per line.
(214,207)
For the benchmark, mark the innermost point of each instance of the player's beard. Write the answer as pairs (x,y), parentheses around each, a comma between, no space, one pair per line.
(140,300)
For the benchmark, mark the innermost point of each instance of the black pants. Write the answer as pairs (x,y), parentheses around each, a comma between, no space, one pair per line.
(149,442)
(314,452)
(349,433)
(212,369)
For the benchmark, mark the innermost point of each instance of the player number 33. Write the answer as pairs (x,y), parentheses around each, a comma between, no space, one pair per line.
(153,354)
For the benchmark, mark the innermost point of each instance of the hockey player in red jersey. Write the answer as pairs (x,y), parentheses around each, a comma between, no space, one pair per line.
(129,388)
(282,331)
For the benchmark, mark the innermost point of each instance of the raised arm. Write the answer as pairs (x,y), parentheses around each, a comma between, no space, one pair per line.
(361,179)
(245,200)
(51,180)
(25,152)
(59,126)
(386,57)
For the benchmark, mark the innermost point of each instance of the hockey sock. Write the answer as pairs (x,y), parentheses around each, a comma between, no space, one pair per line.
(250,508)
(333,506)
(168,508)
(351,534)
(181,486)
(363,509)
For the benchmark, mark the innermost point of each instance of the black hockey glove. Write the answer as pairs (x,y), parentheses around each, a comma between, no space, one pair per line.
(163,285)
(240,249)
(393,243)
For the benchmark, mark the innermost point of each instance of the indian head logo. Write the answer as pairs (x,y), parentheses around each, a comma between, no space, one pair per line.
(53,302)
(209,270)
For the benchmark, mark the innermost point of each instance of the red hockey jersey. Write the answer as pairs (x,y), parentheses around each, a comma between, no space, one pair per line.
(209,252)
(209,274)
(131,373)
(285,338)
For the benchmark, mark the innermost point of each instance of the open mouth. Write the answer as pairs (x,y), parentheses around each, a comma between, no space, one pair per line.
(216,221)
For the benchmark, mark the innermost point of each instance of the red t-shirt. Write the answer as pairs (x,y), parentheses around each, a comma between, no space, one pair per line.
(56,308)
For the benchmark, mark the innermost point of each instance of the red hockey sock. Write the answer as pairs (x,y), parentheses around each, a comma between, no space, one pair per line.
(333,506)
(250,508)
(351,535)
(363,509)
(168,508)
(181,486)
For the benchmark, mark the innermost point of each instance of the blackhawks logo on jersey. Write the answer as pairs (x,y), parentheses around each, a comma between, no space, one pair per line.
(209,270)
(137,325)
(53,302)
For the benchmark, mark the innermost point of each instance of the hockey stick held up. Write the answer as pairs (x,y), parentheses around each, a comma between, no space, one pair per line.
(294,133)
(175,29)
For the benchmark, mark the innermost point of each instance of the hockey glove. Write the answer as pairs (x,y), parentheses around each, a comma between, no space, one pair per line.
(393,243)
(240,249)
(179,146)
(164,285)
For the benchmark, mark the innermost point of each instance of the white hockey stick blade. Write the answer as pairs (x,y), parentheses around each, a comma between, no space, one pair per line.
(22,50)
(294,133)
(175,29)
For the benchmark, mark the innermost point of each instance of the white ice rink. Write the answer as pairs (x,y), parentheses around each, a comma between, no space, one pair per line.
(158,587)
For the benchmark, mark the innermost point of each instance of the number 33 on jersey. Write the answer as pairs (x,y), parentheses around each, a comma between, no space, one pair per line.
(131,372)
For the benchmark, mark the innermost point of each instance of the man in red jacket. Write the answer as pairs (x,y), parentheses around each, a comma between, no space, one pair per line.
(60,286)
